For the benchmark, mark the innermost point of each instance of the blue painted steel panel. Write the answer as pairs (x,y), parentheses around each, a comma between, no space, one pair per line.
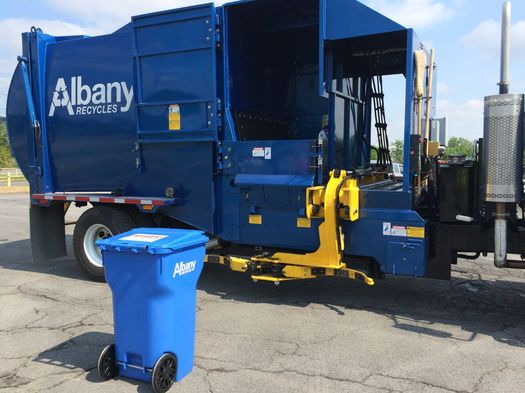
(175,64)
(343,19)
(25,145)
(350,18)
(381,199)
(42,42)
(184,76)
(228,202)
(21,138)
(369,230)
(273,187)
(188,169)
(405,258)
(278,229)
(287,157)
(275,180)
(156,35)
(91,151)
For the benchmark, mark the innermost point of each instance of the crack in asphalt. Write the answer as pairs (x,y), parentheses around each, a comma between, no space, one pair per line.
(363,382)
(473,302)
(415,381)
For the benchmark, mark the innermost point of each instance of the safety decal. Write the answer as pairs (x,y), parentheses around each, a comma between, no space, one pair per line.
(402,231)
(303,222)
(258,152)
(416,232)
(398,231)
(255,219)
(174,118)
(262,152)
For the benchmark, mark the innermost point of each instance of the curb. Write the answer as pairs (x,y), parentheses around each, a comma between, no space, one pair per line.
(14,190)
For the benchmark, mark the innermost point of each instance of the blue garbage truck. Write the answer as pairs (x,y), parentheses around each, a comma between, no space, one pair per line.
(264,124)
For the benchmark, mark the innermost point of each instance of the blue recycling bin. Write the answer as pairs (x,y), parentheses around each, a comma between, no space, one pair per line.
(153,276)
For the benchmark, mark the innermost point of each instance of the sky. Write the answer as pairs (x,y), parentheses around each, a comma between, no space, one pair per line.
(464,33)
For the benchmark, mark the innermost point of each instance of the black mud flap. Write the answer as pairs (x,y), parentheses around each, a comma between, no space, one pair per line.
(48,233)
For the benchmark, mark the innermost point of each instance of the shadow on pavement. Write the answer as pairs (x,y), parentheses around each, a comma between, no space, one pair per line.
(494,308)
(82,352)
(78,352)
(16,255)
(478,306)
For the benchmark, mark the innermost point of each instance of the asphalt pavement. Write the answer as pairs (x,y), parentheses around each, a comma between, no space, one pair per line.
(329,335)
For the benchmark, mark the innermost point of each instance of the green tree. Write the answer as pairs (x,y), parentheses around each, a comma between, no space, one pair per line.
(6,158)
(459,147)
(397,151)
(373,154)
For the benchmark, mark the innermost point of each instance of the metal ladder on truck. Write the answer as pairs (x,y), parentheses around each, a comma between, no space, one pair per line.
(378,99)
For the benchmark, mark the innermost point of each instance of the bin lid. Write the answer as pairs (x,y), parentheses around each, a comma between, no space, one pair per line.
(153,240)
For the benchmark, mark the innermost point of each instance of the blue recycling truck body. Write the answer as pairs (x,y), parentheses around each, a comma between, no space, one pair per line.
(232,120)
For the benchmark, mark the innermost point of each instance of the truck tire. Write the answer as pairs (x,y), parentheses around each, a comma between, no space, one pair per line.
(97,223)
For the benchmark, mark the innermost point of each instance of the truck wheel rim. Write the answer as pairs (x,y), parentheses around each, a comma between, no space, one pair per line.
(93,234)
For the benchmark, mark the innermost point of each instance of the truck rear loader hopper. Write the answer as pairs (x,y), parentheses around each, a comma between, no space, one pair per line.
(253,121)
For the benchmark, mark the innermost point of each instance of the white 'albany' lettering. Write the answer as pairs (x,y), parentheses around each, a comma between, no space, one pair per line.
(101,98)
(182,268)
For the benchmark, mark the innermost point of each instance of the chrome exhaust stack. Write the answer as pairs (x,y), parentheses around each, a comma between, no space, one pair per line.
(505,48)
(502,170)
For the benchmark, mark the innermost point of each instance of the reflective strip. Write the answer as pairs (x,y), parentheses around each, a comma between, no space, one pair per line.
(44,198)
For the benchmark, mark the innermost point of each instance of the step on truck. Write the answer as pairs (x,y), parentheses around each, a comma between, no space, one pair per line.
(264,124)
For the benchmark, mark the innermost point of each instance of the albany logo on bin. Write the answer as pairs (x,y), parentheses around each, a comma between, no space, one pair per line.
(101,99)
(182,268)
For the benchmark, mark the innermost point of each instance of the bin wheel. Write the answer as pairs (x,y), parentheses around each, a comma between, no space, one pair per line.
(107,363)
(164,373)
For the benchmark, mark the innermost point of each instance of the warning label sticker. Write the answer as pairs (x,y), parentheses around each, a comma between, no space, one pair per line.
(402,231)
(416,232)
(262,152)
(143,238)
(304,222)
(399,231)
(258,152)
(174,118)
(255,219)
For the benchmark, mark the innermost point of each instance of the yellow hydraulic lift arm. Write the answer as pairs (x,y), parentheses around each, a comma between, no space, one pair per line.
(339,199)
